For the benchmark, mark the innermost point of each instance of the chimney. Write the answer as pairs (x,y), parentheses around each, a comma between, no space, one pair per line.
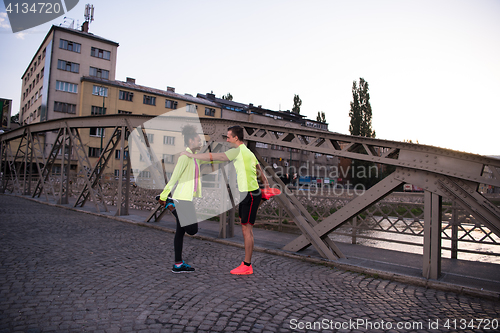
(211,97)
(85,26)
(171,89)
(250,105)
(130,80)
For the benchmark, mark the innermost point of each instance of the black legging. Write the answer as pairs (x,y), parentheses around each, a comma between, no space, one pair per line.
(187,213)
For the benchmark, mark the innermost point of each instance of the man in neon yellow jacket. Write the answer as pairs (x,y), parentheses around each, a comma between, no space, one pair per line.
(187,177)
(247,169)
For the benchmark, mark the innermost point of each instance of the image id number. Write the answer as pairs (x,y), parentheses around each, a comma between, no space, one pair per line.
(485,324)
(40,8)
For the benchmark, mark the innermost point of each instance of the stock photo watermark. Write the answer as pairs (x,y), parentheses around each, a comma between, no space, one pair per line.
(368,325)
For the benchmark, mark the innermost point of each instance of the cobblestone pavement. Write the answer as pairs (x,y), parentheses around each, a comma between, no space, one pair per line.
(69,271)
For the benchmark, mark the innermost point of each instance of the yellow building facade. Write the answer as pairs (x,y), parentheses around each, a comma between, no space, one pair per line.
(119,97)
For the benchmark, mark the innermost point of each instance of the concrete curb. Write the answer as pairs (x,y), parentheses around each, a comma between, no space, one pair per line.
(416,281)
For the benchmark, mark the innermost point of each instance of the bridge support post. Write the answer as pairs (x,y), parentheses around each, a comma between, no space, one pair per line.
(3,165)
(432,235)
(65,167)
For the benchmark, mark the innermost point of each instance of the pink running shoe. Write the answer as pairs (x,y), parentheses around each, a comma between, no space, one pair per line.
(242,269)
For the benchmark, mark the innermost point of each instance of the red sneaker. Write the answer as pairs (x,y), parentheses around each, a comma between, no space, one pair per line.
(242,269)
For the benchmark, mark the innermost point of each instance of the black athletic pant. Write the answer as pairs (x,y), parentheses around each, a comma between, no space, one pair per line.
(185,211)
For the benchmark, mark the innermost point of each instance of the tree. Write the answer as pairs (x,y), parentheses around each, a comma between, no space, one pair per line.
(361,110)
(361,124)
(321,117)
(14,119)
(228,97)
(297,102)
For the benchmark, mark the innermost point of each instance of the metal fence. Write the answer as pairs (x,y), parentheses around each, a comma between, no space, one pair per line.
(396,223)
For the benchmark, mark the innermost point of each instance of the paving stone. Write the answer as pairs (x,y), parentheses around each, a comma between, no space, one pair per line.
(62,270)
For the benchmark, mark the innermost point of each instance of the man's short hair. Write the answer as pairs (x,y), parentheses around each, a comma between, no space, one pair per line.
(237,131)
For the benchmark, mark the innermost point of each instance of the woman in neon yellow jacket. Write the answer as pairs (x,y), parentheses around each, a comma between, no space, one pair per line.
(187,177)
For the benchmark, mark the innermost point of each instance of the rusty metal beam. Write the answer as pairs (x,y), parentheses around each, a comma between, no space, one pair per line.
(47,168)
(353,208)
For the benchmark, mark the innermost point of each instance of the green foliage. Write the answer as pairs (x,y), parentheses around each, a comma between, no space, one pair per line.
(297,102)
(361,110)
(321,117)
(14,119)
(228,97)
(361,125)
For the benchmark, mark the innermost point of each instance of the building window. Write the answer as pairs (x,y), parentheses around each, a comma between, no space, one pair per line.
(70,46)
(100,91)
(151,138)
(210,112)
(168,158)
(96,110)
(98,53)
(261,145)
(126,95)
(170,104)
(124,112)
(68,66)
(100,73)
(150,100)
(64,107)
(94,152)
(149,157)
(169,140)
(41,72)
(66,86)
(191,108)
(145,174)
(97,131)
(118,154)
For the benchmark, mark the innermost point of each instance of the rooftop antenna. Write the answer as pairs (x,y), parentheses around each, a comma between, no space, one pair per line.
(89,17)
(89,13)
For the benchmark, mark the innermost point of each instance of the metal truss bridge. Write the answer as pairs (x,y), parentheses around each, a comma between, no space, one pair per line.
(440,172)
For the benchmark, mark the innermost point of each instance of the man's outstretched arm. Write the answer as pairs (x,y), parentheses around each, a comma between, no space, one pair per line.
(219,157)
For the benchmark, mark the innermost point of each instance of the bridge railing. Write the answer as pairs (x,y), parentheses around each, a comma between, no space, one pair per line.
(395,224)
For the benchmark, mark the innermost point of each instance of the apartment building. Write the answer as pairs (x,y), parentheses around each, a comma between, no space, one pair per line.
(51,82)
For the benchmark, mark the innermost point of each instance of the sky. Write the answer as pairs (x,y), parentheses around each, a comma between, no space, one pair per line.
(433,67)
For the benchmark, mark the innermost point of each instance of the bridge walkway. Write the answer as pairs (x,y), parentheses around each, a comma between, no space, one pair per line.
(461,276)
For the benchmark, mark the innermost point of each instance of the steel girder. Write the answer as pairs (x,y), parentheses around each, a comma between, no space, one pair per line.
(463,192)
(306,223)
(37,157)
(84,163)
(431,267)
(47,168)
(353,208)
(442,161)
(125,165)
(444,172)
(98,170)
(8,161)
